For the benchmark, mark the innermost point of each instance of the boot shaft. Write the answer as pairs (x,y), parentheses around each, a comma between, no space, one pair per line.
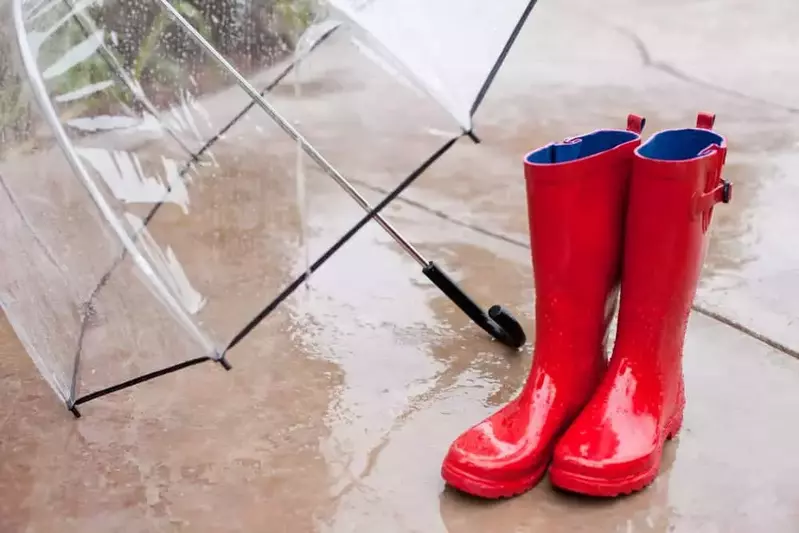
(576,192)
(676,181)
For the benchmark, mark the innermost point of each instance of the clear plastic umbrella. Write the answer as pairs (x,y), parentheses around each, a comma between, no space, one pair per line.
(145,147)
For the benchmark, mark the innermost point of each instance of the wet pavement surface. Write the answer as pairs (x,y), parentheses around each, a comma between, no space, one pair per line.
(343,402)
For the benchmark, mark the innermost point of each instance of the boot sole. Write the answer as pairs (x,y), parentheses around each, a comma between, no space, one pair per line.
(608,488)
(491,489)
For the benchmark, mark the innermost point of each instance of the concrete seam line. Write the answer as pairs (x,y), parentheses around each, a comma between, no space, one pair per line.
(510,240)
(747,331)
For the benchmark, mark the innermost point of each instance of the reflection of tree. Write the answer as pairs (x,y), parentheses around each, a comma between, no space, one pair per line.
(148,46)
(251,33)
(256,29)
(15,111)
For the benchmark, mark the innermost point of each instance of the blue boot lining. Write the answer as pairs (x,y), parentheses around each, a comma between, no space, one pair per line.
(678,145)
(581,147)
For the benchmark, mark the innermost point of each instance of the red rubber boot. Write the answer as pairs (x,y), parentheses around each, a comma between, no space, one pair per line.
(614,447)
(575,197)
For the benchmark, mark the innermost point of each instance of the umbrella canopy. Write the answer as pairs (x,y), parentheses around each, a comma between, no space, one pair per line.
(451,48)
(148,158)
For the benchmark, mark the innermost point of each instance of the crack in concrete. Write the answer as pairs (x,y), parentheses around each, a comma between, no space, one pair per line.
(648,61)
(444,216)
(776,345)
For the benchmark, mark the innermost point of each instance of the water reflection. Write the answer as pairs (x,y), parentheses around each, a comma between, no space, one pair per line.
(546,508)
(403,371)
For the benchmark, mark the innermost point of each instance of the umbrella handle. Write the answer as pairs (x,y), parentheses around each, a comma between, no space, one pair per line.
(498,322)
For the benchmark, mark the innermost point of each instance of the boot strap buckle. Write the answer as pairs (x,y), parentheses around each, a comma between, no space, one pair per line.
(726,191)
(722,193)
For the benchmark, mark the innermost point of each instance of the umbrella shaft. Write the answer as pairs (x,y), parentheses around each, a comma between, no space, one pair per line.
(290,131)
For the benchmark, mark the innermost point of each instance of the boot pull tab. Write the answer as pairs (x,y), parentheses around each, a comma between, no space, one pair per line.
(705,121)
(635,123)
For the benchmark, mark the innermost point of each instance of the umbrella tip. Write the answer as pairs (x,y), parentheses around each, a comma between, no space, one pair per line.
(224,362)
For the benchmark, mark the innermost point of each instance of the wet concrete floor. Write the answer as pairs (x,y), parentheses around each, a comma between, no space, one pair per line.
(342,404)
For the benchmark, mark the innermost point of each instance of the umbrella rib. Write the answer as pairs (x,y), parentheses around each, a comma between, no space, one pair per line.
(501,59)
(137,380)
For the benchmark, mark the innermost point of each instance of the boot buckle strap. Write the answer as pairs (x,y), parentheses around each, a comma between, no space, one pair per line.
(726,191)
(722,193)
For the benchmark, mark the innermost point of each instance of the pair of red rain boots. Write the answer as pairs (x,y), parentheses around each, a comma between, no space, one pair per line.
(606,213)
